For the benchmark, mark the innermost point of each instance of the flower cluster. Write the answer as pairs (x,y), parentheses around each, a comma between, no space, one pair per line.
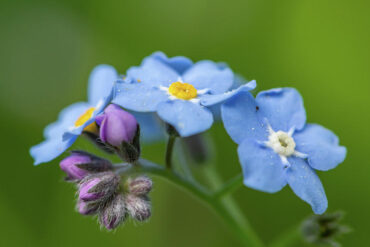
(276,147)
(100,192)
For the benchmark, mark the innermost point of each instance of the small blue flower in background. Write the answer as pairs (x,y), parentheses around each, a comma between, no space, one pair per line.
(78,117)
(178,90)
(277,147)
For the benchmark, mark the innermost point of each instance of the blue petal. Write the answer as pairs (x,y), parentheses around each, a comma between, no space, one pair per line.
(179,63)
(262,168)
(101,83)
(150,127)
(188,118)
(240,117)
(212,99)
(321,145)
(306,184)
(138,96)
(50,149)
(153,72)
(207,74)
(283,108)
(67,118)
(216,109)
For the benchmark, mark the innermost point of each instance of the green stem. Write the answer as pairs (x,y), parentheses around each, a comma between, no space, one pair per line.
(169,151)
(230,186)
(235,220)
(232,207)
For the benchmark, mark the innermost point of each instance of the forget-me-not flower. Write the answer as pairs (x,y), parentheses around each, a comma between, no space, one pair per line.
(277,147)
(153,129)
(78,117)
(178,90)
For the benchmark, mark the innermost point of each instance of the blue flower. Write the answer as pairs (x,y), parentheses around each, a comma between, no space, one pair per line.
(179,91)
(78,117)
(277,147)
(152,127)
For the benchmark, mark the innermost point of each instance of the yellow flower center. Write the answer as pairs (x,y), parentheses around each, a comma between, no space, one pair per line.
(93,128)
(84,117)
(182,90)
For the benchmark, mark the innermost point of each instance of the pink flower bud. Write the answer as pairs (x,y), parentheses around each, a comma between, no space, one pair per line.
(116,126)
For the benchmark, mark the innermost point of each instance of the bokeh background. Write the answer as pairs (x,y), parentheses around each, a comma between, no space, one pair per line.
(48,48)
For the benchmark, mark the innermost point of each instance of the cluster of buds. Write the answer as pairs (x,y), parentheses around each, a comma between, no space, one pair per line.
(324,229)
(101,194)
(100,191)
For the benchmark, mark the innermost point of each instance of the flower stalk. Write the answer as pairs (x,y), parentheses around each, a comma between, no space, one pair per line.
(169,151)
(230,186)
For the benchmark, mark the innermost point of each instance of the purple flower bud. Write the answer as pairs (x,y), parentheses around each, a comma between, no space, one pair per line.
(116,126)
(140,186)
(87,208)
(69,166)
(139,208)
(86,190)
(98,187)
(79,164)
(114,213)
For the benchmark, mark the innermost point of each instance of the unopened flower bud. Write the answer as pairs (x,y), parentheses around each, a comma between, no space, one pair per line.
(117,126)
(87,208)
(98,187)
(138,207)
(114,213)
(95,138)
(324,229)
(140,186)
(79,164)
(120,129)
(69,166)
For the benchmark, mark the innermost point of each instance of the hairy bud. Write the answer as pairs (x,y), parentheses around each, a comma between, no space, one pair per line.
(79,164)
(114,213)
(324,229)
(139,208)
(98,187)
(140,186)
(87,208)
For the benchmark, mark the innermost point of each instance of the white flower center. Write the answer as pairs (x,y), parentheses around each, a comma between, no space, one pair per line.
(282,143)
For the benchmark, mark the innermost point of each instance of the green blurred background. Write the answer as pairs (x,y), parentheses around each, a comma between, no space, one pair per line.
(48,48)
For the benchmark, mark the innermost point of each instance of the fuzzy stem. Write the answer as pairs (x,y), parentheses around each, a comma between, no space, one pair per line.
(220,206)
(169,151)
